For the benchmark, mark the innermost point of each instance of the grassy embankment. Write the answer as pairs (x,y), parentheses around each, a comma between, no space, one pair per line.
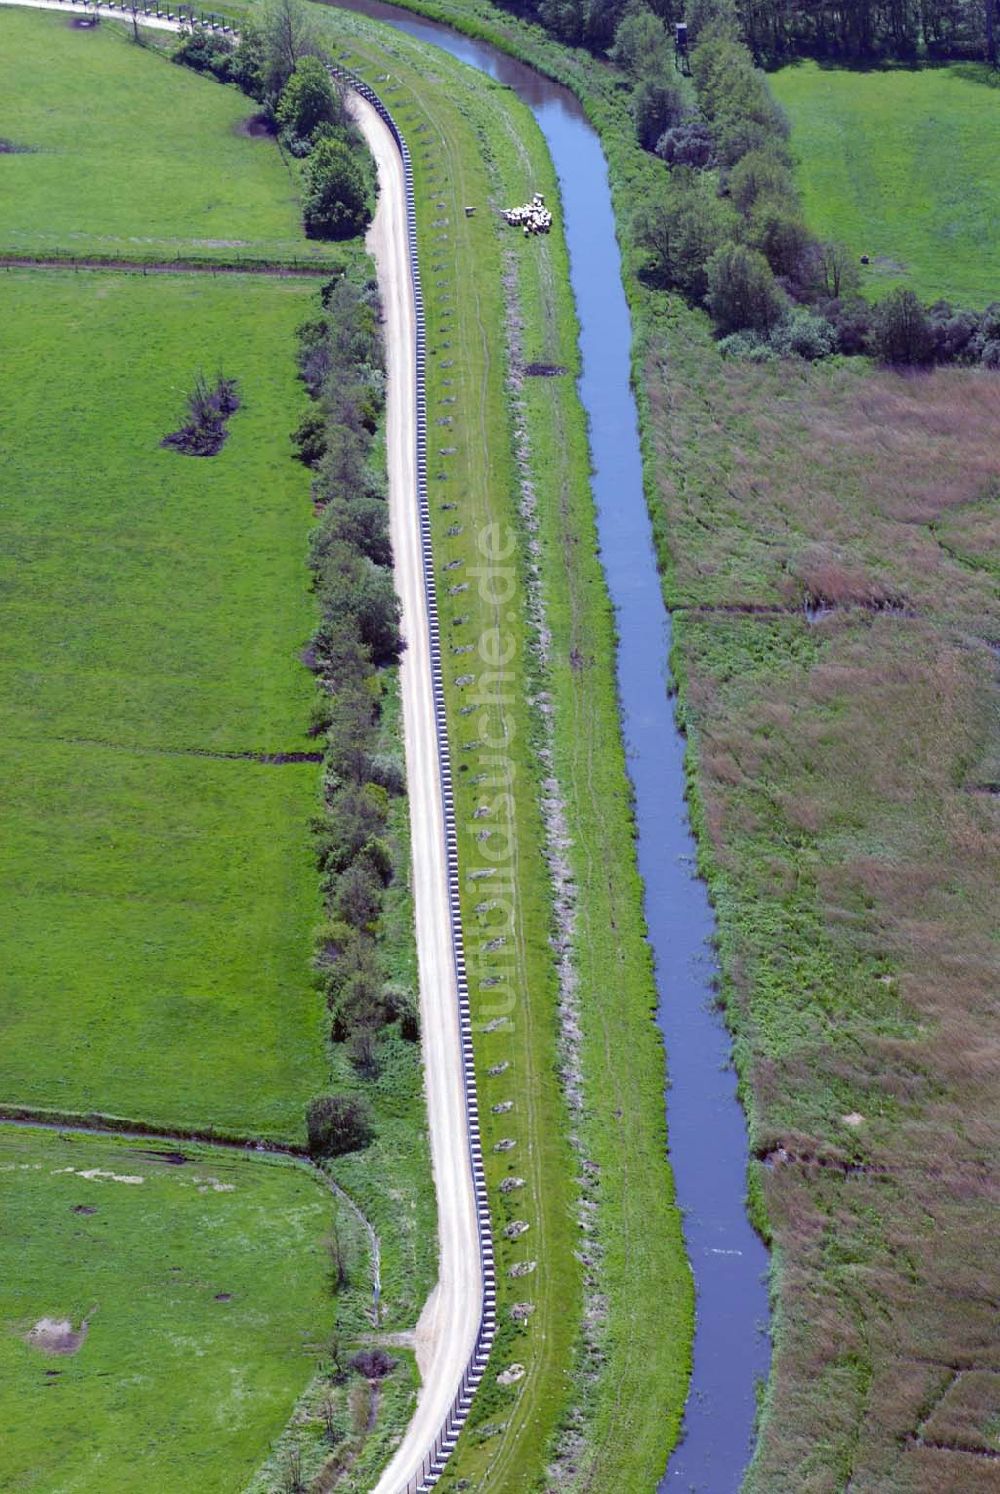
(161,883)
(474,144)
(843,787)
(902,165)
(119,157)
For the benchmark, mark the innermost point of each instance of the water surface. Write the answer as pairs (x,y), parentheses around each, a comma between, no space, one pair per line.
(708,1147)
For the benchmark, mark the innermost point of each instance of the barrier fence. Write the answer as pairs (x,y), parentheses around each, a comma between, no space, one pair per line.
(444,1443)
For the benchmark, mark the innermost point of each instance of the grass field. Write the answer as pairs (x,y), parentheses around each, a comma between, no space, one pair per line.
(204,1291)
(120,156)
(902,165)
(159,899)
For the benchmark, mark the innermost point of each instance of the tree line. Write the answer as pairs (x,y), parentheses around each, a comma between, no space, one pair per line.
(340,361)
(859,30)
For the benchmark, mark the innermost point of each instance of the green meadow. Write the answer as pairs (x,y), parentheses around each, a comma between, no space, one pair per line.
(902,165)
(159,888)
(117,155)
(203,1289)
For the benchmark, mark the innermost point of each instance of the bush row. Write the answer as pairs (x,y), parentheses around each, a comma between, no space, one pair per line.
(276,62)
(341,365)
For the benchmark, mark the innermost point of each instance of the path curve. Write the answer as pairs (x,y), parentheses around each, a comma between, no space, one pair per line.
(458,1323)
(456,1326)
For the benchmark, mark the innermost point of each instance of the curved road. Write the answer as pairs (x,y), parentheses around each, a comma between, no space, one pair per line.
(448,1327)
(446,1333)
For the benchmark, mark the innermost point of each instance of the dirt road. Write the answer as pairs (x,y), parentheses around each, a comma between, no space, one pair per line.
(447,1330)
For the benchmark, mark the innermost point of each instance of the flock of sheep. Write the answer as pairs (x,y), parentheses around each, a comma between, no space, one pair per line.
(533,216)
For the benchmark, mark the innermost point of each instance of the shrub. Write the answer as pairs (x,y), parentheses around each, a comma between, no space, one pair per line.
(373,1364)
(308,100)
(358,898)
(748,347)
(309,439)
(205,52)
(335,202)
(901,330)
(639,43)
(777,230)
(742,294)
(804,335)
(337,1124)
(687,144)
(760,173)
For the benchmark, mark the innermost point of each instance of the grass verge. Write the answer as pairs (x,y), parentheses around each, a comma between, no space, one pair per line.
(119,156)
(202,1286)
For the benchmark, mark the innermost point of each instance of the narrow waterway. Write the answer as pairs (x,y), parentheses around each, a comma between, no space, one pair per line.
(708,1146)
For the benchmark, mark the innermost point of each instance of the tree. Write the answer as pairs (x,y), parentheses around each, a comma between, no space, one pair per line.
(335,203)
(287,34)
(742,294)
(901,332)
(656,105)
(309,99)
(359,896)
(838,269)
(640,42)
(777,230)
(681,224)
(337,1124)
(760,173)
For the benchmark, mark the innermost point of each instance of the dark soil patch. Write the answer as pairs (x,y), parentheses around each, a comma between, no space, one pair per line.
(172,1159)
(84,1209)
(80,23)
(11,148)
(258,127)
(210,407)
(544,370)
(223,1297)
(57,1336)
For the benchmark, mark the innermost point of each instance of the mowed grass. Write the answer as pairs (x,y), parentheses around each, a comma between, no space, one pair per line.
(122,154)
(158,900)
(205,1294)
(903,166)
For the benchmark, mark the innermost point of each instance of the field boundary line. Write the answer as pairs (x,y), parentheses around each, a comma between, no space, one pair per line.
(281,269)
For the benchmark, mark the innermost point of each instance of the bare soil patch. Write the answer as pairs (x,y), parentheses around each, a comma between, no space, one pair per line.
(57,1336)
(257,127)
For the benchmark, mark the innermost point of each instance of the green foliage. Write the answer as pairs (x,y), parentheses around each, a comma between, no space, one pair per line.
(336,201)
(681,223)
(640,45)
(308,100)
(742,294)
(338,1123)
(657,104)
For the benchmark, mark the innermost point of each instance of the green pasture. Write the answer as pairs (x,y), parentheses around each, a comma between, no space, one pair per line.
(159,894)
(121,154)
(903,166)
(204,1289)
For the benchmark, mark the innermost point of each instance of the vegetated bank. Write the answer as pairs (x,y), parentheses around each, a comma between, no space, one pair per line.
(518,578)
(162,767)
(828,567)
